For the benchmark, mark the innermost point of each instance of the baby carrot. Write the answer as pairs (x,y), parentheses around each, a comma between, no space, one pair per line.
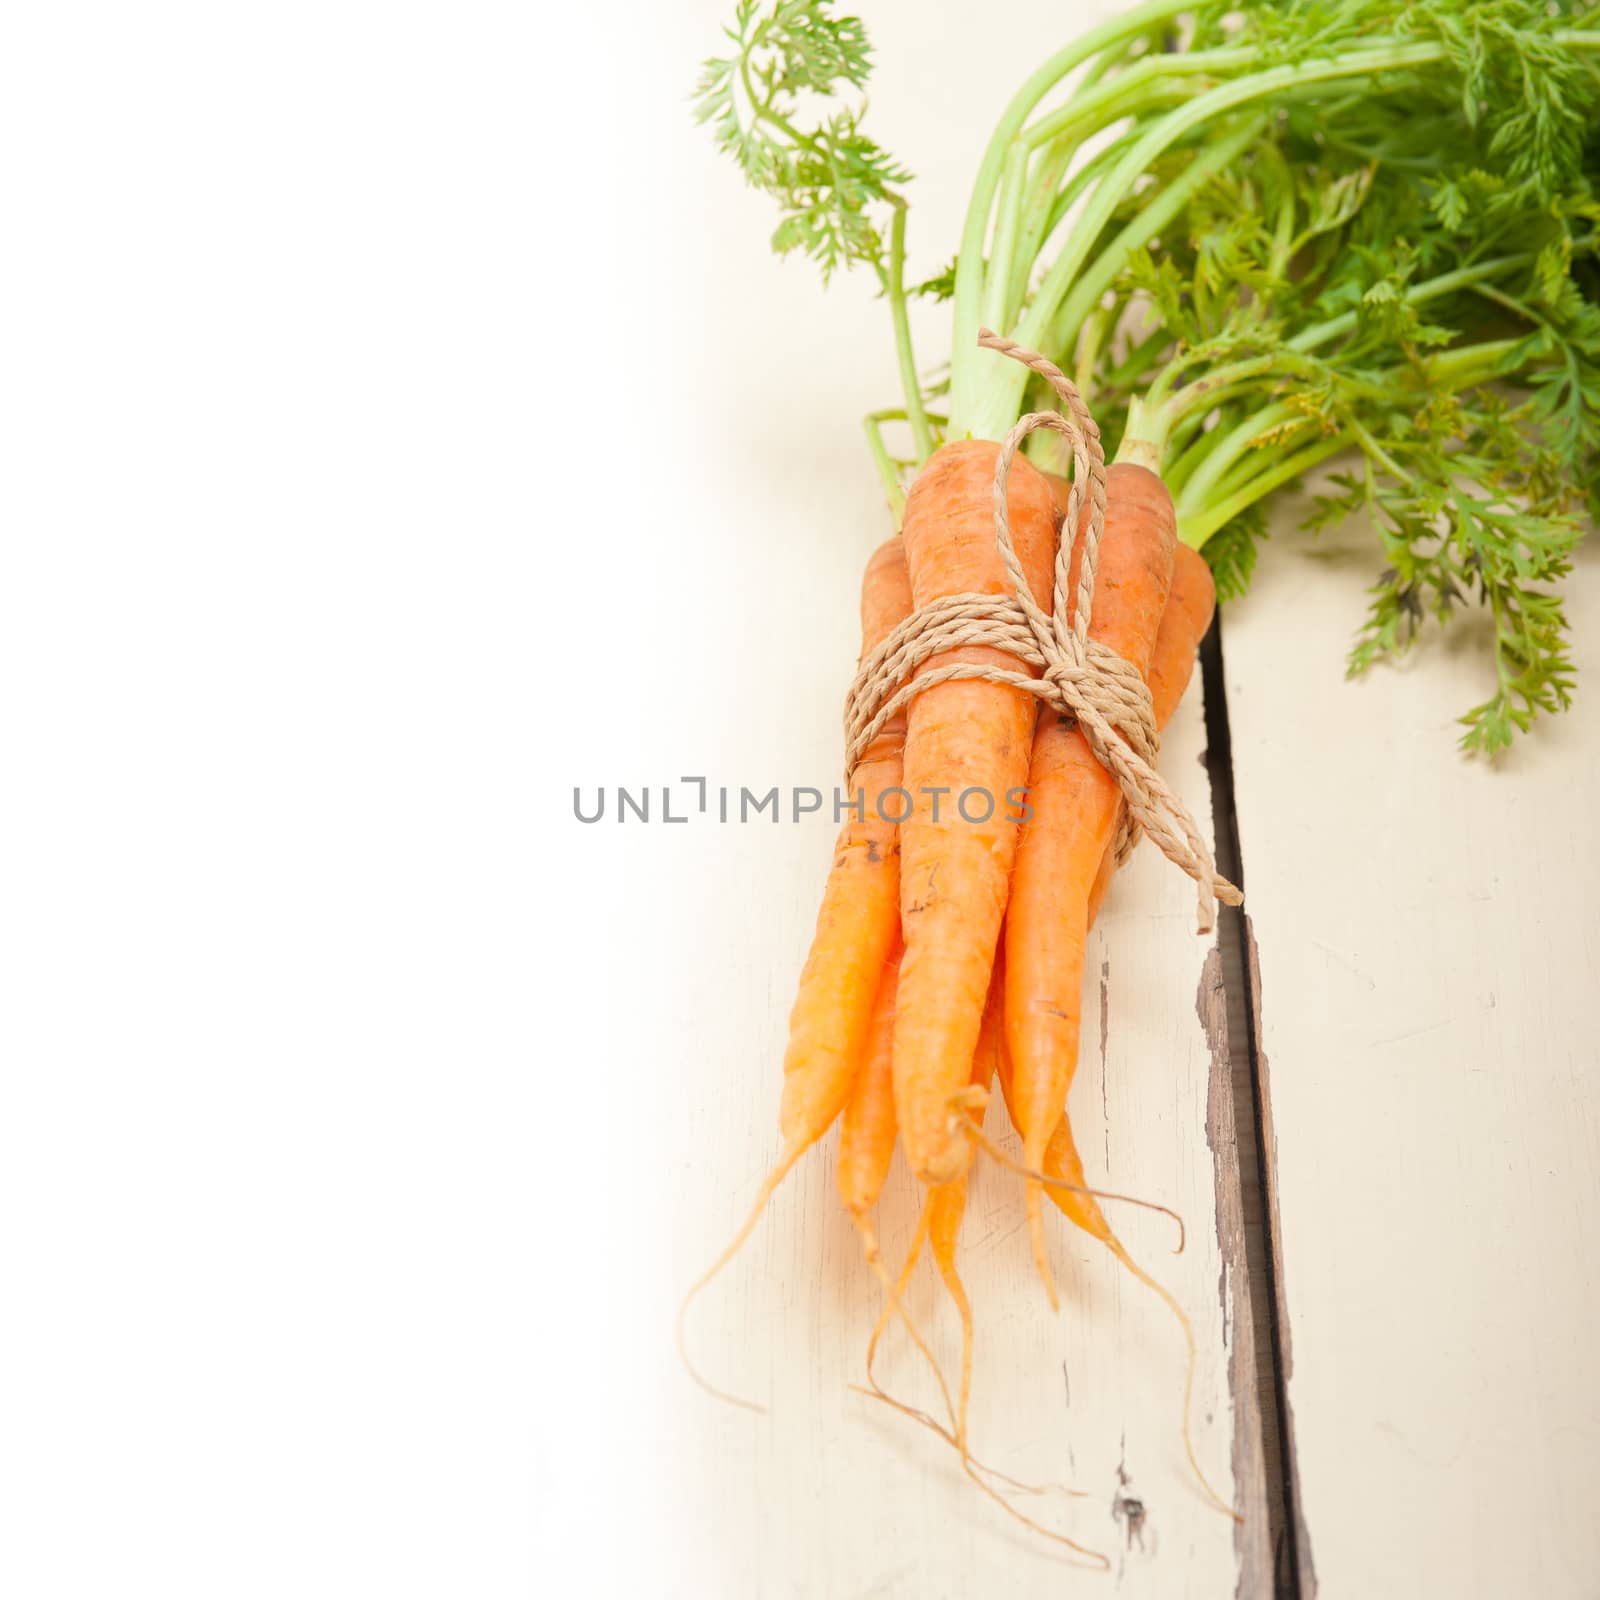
(856,930)
(1075,804)
(859,919)
(1190,607)
(867,1128)
(963,738)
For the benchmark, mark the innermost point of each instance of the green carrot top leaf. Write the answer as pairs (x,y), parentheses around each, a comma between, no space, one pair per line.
(830,179)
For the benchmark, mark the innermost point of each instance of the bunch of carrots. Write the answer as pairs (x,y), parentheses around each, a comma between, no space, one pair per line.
(1262,238)
(948,954)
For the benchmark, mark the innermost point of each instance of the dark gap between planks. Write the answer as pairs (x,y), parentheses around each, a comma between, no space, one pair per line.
(1250,1118)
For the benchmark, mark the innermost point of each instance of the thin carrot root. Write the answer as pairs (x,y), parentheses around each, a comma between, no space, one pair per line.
(973,1467)
(893,1297)
(769,1186)
(869,1240)
(1063,1155)
(995,1153)
(1115,1246)
(894,1304)
(1101,1562)
(1016,1485)
(940,1219)
(955,1435)
(1041,1259)
(948,1202)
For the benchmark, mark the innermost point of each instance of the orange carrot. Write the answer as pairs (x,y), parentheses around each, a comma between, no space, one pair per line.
(1076,803)
(961,736)
(866,1130)
(857,924)
(1183,625)
(856,930)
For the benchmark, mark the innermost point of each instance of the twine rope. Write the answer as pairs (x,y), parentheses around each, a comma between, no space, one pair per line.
(1073,674)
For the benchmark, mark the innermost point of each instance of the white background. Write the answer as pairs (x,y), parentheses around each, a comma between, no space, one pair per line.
(396,401)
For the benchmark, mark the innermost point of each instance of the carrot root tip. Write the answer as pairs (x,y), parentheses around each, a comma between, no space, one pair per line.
(1041,1256)
(786,1161)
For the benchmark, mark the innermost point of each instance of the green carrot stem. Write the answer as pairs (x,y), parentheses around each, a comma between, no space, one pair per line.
(1473,363)
(969,376)
(1231,445)
(1186,449)
(1195,527)
(888,473)
(1001,393)
(1169,201)
(921,434)
(1208,391)
(1087,113)
(1013,180)
(1038,220)
(1418,294)
(1091,339)
(1090,172)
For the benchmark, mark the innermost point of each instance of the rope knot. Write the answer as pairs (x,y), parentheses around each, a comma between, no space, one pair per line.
(1076,675)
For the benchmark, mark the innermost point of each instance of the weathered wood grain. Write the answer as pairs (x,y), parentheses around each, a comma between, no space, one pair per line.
(1429,953)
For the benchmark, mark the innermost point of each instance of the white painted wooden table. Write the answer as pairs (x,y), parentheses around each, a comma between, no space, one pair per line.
(1428,956)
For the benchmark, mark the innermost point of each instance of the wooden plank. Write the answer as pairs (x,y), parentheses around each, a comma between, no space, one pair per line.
(1428,956)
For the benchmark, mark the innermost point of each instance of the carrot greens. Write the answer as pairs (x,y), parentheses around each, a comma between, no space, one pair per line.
(1340,235)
